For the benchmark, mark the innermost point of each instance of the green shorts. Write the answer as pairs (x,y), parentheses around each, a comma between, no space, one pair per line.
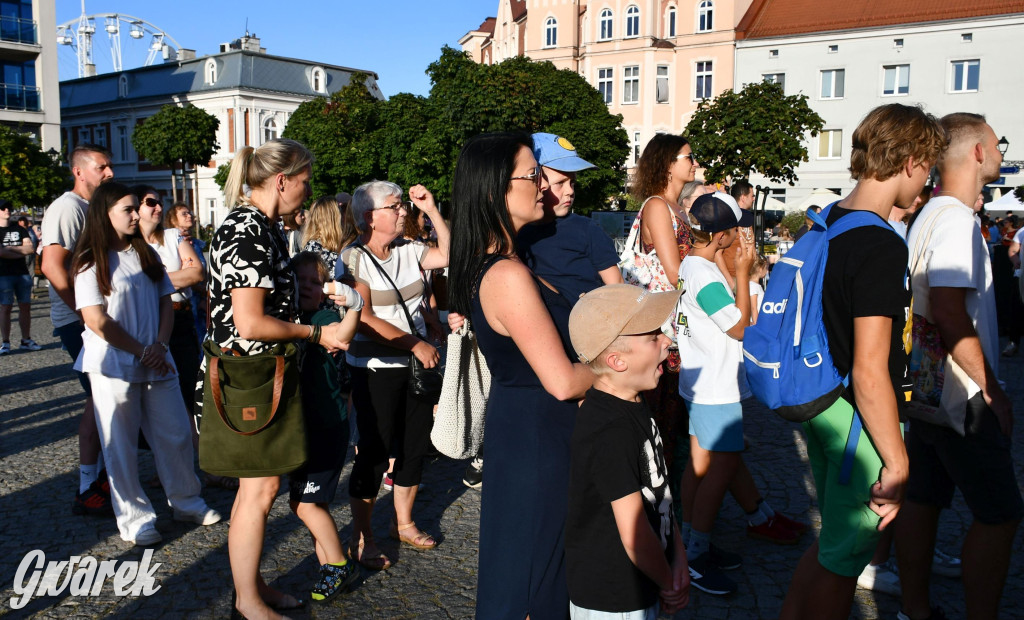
(849,529)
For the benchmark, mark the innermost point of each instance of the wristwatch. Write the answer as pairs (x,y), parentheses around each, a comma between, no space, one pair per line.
(164,345)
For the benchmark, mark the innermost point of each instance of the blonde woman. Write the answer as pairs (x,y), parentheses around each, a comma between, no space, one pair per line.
(252,307)
(329,228)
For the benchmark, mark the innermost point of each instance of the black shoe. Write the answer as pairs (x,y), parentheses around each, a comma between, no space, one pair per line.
(725,560)
(94,501)
(474,476)
(333,581)
(709,578)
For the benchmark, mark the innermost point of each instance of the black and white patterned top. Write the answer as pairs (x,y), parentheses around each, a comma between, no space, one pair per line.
(249,251)
(329,257)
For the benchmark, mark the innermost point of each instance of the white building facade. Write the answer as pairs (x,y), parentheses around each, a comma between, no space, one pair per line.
(966,65)
(253,94)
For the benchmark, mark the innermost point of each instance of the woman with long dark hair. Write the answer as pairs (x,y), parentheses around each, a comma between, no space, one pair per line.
(666,166)
(522,328)
(124,295)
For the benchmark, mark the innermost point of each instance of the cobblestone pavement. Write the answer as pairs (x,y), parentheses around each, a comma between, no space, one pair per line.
(40,404)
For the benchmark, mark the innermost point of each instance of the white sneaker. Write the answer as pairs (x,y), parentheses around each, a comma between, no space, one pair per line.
(147,537)
(946,565)
(883,578)
(29,345)
(1010,350)
(208,516)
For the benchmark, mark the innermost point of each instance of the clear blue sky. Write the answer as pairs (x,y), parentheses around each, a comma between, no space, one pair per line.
(397,39)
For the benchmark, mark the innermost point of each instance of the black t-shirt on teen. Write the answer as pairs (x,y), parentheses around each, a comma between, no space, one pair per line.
(867,275)
(10,237)
(615,451)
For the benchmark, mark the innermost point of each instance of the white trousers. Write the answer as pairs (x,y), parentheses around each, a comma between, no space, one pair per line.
(121,409)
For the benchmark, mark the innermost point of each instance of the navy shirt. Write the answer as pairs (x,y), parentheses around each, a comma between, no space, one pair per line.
(568,253)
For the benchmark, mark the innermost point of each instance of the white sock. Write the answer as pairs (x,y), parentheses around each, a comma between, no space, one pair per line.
(87,474)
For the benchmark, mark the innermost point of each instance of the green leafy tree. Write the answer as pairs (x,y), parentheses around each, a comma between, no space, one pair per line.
(28,176)
(410,139)
(339,131)
(177,136)
(758,129)
(793,221)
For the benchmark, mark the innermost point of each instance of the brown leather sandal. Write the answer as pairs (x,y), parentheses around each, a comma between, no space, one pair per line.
(422,541)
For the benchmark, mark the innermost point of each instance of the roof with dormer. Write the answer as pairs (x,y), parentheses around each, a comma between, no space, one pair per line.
(236,69)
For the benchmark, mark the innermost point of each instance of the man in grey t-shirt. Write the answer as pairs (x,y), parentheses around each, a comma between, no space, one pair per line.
(62,225)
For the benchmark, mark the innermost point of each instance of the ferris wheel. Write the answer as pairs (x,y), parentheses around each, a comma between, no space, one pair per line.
(144,44)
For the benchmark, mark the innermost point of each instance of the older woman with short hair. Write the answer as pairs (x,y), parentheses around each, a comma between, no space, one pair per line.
(389,415)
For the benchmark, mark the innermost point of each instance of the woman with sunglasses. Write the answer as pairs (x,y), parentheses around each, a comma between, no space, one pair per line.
(389,417)
(666,166)
(184,270)
(522,327)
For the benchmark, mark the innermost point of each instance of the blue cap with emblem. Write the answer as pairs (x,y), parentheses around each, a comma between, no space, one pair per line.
(557,153)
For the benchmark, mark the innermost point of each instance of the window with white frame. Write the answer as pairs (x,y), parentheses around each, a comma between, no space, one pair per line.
(122,142)
(661,84)
(99,136)
(895,79)
(775,78)
(606,23)
(636,147)
(965,76)
(705,16)
(122,86)
(833,83)
(633,21)
(631,84)
(211,208)
(604,83)
(269,129)
(211,71)
(670,25)
(551,32)
(703,75)
(84,135)
(830,144)
(778,193)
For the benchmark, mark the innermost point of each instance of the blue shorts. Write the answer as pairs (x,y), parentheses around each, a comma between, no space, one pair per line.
(71,337)
(12,287)
(718,428)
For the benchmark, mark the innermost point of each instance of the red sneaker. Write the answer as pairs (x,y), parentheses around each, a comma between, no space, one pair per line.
(773,531)
(792,524)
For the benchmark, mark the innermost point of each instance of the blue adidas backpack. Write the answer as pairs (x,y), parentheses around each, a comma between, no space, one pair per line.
(786,354)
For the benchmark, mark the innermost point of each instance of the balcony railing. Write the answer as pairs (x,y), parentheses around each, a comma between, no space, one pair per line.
(17,97)
(18,30)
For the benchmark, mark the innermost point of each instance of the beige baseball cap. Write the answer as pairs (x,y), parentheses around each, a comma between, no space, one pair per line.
(604,314)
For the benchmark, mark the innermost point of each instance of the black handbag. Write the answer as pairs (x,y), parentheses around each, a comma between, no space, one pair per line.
(254,425)
(424,382)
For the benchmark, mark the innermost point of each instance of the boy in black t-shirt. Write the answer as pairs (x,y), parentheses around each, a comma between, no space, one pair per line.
(865,304)
(622,546)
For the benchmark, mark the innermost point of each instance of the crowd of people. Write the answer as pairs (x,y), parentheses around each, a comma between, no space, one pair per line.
(614,425)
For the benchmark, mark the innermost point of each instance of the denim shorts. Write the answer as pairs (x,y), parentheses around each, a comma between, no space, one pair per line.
(12,287)
(71,337)
(718,428)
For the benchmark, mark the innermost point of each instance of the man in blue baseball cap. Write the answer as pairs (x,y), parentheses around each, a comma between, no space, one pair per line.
(569,251)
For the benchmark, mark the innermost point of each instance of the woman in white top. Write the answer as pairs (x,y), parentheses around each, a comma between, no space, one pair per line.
(388,415)
(184,270)
(123,293)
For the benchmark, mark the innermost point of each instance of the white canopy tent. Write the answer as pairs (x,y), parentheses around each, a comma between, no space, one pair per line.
(1008,202)
(821,197)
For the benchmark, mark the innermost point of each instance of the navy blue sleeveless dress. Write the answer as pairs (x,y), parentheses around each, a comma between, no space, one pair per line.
(525,492)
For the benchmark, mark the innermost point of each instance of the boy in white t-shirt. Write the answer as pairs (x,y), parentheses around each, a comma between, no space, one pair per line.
(712,382)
